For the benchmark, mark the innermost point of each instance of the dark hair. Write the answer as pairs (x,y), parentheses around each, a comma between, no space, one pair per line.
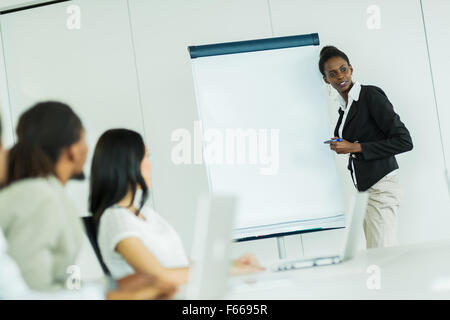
(116,167)
(329,52)
(27,160)
(50,125)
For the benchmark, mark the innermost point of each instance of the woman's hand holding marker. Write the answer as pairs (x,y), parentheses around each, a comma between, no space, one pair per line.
(342,146)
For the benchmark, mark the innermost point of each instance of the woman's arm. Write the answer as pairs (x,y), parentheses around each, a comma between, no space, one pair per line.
(140,286)
(398,138)
(142,260)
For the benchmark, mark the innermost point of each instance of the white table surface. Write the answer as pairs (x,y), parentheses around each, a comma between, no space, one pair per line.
(420,271)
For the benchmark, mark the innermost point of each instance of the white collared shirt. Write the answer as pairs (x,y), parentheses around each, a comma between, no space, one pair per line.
(353,95)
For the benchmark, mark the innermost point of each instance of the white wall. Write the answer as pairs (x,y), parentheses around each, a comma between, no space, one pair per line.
(162,33)
(5,110)
(92,69)
(393,57)
(107,90)
(438,26)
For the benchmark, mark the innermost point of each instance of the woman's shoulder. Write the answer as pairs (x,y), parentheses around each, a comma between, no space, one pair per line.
(151,215)
(29,201)
(32,193)
(116,224)
(29,184)
(370,91)
(116,213)
(117,219)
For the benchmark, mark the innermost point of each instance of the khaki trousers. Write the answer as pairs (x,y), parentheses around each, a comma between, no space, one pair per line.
(380,223)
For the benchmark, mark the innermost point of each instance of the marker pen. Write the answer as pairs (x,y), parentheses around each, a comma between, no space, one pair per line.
(333,140)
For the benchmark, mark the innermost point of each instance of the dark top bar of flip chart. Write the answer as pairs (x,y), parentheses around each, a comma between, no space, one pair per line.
(31,6)
(254,45)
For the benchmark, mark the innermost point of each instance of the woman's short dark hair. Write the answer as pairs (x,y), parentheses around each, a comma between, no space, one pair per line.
(51,125)
(327,53)
(116,169)
(43,132)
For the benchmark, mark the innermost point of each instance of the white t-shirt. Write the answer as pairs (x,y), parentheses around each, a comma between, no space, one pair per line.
(160,238)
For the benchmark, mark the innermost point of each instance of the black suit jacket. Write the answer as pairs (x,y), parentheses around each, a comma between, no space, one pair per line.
(372,122)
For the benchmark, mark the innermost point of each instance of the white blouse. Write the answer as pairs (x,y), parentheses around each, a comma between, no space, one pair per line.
(160,238)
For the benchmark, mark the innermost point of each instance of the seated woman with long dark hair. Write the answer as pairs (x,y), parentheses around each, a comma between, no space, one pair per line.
(132,237)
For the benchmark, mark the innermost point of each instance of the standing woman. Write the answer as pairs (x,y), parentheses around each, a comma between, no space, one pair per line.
(371,133)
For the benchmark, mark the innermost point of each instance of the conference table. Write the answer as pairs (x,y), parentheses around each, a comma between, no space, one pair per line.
(419,271)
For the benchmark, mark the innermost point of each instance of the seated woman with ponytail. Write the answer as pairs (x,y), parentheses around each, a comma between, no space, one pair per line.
(39,221)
